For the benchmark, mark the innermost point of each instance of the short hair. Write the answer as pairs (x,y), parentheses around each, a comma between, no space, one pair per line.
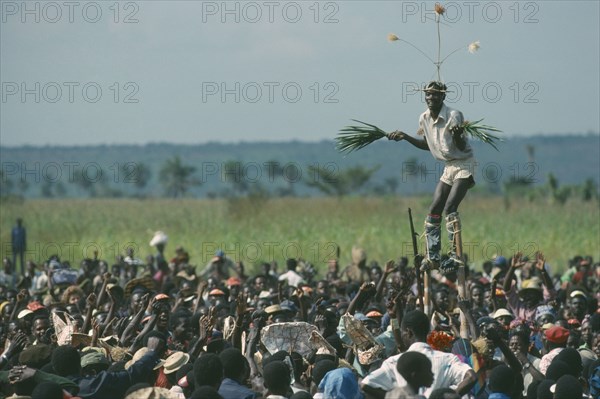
(291,263)
(321,368)
(502,379)
(154,333)
(277,376)
(557,369)
(572,357)
(233,362)
(568,387)
(543,390)
(410,362)
(208,370)
(417,321)
(66,361)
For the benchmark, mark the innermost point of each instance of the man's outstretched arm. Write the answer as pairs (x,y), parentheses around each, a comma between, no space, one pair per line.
(398,136)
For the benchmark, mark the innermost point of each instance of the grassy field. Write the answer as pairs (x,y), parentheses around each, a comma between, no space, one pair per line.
(311,228)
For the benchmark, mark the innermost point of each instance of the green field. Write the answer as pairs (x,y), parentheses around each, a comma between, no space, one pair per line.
(265,230)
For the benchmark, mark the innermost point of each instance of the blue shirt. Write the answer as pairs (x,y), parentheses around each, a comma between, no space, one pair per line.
(231,389)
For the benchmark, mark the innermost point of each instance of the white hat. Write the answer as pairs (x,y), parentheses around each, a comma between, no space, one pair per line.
(502,312)
(24,313)
(159,238)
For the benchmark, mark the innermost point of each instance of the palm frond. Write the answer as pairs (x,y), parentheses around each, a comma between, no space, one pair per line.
(353,138)
(482,132)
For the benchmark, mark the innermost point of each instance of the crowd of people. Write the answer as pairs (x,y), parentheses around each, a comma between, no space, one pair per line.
(164,328)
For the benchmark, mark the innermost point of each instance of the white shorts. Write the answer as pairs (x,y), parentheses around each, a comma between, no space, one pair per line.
(459,169)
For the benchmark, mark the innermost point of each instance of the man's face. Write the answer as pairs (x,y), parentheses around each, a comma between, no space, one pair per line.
(441,298)
(477,296)
(544,319)
(136,302)
(259,284)
(578,306)
(39,328)
(516,345)
(434,100)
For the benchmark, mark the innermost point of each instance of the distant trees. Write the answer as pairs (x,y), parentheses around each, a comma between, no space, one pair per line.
(331,181)
(177,178)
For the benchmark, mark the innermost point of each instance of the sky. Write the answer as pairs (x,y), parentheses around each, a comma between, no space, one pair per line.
(192,72)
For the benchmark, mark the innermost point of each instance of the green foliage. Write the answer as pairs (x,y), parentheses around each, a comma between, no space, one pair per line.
(331,181)
(177,178)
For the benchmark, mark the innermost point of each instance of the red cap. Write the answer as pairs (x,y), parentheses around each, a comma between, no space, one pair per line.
(557,334)
(33,306)
(161,297)
(231,281)
(216,291)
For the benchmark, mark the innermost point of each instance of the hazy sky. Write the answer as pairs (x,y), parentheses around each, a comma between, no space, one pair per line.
(79,72)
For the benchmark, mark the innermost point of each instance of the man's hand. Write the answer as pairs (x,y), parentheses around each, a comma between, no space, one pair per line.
(390,267)
(396,135)
(517,261)
(20,373)
(16,345)
(320,322)
(91,301)
(106,276)
(22,295)
(456,130)
(540,261)
(241,304)
(464,304)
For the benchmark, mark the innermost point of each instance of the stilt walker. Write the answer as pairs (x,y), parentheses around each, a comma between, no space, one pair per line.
(444,132)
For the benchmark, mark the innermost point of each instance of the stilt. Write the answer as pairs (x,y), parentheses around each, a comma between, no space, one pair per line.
(462,288)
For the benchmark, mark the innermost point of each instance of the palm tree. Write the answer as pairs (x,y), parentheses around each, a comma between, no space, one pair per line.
(177,178)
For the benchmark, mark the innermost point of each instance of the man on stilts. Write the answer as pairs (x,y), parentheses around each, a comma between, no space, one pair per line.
(441,128)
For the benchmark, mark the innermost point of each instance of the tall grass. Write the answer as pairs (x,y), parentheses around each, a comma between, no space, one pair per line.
(266,230)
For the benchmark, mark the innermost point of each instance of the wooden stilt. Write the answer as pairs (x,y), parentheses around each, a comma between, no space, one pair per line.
(462,287)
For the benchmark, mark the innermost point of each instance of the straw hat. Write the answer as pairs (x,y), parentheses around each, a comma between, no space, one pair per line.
(175,361)
(140,354)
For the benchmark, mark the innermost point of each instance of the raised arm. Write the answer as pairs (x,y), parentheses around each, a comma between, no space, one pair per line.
(515,263)
(390,267)
(540,262)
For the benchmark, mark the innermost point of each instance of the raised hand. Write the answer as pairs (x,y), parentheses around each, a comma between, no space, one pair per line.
(22,295)
(16,345)
(367,287)
(540,261)
(91,300)
(517,260)
(390,267)
(241,304)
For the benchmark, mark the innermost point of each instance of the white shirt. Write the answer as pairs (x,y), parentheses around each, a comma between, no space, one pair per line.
(547,359)
(448,371)
(292,278)
(439,138)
